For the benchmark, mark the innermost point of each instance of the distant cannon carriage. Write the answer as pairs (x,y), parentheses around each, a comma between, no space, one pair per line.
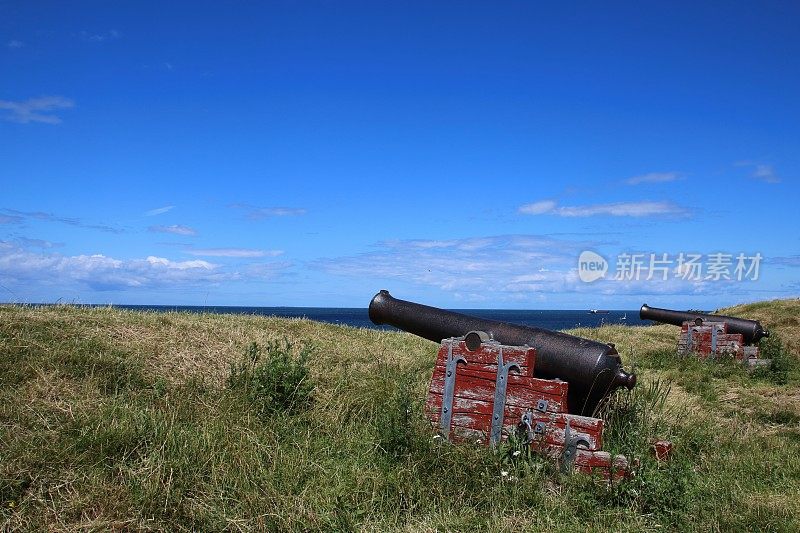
(711,336)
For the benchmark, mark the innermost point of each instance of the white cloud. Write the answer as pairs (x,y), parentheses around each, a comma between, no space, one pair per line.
(619,209)
(761,172)
(37,243)
(36,109)
(100,37)
(15,44)
(506,263)
(654,177)
(791,260)
(233,252)
(266,271)
(179,265)
(175,229)
(538,208)
(21,216)
(23,268)
(10,219)
(504,268)
(766,174)
(100,272)
(258,213)
(159,211)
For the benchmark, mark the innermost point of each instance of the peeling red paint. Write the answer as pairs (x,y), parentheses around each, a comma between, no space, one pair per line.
(702,341)
(473,406)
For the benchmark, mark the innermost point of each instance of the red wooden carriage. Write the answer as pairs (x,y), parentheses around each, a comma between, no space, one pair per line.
(483,391)
(709,340)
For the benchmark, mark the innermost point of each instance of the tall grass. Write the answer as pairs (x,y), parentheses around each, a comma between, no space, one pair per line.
(108,420)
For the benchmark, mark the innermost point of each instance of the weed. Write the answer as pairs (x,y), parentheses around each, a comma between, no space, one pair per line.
(634,418)
(781,362)
(396,422)
(274,378)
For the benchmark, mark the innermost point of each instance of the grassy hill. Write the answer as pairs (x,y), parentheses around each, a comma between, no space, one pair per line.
(126,420)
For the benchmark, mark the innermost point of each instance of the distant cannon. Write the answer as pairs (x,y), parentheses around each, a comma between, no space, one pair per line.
(751,330)
(592,369)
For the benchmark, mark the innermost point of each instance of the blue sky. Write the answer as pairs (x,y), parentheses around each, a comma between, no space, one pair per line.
(459,154)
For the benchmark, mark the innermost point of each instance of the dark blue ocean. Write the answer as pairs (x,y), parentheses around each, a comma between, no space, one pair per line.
(358,317)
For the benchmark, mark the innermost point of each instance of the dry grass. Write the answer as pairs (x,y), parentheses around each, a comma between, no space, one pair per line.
(120,420)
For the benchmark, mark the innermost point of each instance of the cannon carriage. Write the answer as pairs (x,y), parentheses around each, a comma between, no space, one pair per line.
(709,336)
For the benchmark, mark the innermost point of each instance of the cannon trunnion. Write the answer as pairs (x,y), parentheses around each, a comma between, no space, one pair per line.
(592,369)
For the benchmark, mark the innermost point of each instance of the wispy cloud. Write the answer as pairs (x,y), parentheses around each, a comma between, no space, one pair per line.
(542,207)
(21,216)
(100,272)
(619,209)
(496,268)
(158,211)
(175,229)
(654,177)
(766,174)
(100,37)
(258,213)
(266,271)
(15,44)
(791,260)
(760,171)
(233,252)
(10,219)
(25,268)
(36,109)
(37,243)
(493,264)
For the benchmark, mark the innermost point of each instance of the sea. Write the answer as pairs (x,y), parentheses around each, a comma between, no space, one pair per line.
(358,317)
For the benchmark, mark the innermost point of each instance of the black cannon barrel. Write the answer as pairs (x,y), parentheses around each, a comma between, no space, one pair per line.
(751,330)
(591,368)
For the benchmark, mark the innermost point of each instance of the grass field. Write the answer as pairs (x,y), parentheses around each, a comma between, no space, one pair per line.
(120,420)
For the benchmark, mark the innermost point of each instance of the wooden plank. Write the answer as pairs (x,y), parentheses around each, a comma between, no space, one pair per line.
(521,390)
(477,415)
(474,372)
(487,354)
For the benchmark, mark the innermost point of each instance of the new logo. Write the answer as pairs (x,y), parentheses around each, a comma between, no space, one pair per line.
(591,266)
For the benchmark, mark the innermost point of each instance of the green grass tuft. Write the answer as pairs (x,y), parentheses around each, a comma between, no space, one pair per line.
(274,379)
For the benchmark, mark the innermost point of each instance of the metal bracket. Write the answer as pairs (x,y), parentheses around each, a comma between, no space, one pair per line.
(525,425)
(714,340)
(531,430)
(542,405)
(571,444)
(500,397)
(446,416)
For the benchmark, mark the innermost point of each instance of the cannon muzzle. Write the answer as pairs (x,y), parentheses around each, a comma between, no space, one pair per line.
(751,330)
(592,369)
